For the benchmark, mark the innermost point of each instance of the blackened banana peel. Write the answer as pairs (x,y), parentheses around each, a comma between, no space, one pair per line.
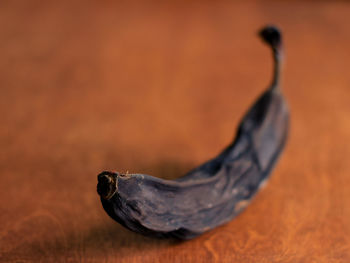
(215,192)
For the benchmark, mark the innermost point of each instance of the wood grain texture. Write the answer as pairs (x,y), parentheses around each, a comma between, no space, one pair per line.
(159,88)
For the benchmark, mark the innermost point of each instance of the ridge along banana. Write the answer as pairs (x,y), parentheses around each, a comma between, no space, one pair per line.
(218,190)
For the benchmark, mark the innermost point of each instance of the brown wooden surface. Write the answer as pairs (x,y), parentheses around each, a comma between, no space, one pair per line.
(158,89)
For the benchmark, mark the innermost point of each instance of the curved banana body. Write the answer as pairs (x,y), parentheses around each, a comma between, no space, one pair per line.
(215,192)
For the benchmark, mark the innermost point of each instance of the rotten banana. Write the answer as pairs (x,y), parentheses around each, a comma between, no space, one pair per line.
(218,190)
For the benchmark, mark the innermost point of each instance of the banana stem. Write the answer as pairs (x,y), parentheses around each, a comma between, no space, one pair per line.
(272,36)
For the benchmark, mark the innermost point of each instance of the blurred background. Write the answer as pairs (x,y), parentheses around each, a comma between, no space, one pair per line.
(159,87)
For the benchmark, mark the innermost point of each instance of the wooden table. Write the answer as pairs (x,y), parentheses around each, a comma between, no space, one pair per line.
(160,88)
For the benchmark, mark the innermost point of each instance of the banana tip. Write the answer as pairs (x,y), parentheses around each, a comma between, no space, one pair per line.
(107,184)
